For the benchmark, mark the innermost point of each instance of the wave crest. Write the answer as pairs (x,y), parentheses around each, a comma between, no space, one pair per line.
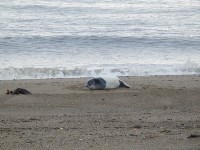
(11,73)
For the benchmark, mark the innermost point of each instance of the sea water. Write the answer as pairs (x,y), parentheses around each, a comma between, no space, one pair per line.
(82,38)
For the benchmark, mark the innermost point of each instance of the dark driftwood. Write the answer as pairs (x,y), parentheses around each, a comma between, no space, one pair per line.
(18,91)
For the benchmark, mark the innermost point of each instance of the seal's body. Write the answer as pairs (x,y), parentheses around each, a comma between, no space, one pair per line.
(103,83)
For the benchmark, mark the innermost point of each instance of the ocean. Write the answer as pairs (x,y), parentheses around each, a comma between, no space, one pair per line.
(42,39)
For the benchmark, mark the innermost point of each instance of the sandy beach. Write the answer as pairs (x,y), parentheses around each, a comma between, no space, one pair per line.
(157,112)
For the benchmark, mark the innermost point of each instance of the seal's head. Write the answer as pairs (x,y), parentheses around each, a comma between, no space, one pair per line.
(96,84)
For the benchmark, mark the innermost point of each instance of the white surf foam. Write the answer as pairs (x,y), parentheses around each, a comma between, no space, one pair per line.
(187,68)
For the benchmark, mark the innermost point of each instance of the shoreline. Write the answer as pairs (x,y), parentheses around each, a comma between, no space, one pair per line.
(157,112)
(78,77)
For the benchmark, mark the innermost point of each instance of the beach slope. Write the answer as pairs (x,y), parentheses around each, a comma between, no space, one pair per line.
(157,112)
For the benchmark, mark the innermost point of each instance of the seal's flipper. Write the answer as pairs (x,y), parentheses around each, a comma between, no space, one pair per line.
(122,84)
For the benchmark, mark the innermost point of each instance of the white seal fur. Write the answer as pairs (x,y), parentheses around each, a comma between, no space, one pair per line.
(107,82)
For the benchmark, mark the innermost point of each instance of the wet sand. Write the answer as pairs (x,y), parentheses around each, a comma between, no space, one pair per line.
(157,112)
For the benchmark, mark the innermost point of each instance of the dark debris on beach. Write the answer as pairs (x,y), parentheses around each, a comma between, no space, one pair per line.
(18,91)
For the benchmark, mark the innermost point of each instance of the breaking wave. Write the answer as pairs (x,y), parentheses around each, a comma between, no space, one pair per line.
(187,68)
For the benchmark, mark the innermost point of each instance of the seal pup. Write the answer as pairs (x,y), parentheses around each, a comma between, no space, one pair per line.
(102,83)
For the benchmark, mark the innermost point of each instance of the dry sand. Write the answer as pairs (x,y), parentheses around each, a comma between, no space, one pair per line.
(157,112)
